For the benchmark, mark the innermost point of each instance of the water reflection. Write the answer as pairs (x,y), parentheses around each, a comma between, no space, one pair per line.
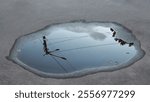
(74,47)
(119,40)
(98,36)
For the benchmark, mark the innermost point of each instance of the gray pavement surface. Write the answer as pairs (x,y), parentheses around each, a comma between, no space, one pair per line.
(20,17)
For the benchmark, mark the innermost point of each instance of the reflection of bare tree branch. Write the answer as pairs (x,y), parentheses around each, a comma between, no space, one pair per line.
(113,31)
(130,44)
(122,42)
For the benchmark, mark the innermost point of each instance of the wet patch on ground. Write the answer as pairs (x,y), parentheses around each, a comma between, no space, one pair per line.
(76,48)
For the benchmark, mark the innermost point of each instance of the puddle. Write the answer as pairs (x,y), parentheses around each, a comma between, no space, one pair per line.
(76,48)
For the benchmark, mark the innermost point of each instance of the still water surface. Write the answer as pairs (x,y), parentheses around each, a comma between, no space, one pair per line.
(84,45)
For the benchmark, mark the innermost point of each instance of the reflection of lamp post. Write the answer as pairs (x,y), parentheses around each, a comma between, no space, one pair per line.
(45,46)
(46,50)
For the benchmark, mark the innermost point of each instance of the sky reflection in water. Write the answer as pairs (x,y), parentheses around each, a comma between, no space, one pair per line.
(84,47)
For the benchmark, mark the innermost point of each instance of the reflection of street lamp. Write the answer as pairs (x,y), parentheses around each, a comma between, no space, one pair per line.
(46,50)
(45,46)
